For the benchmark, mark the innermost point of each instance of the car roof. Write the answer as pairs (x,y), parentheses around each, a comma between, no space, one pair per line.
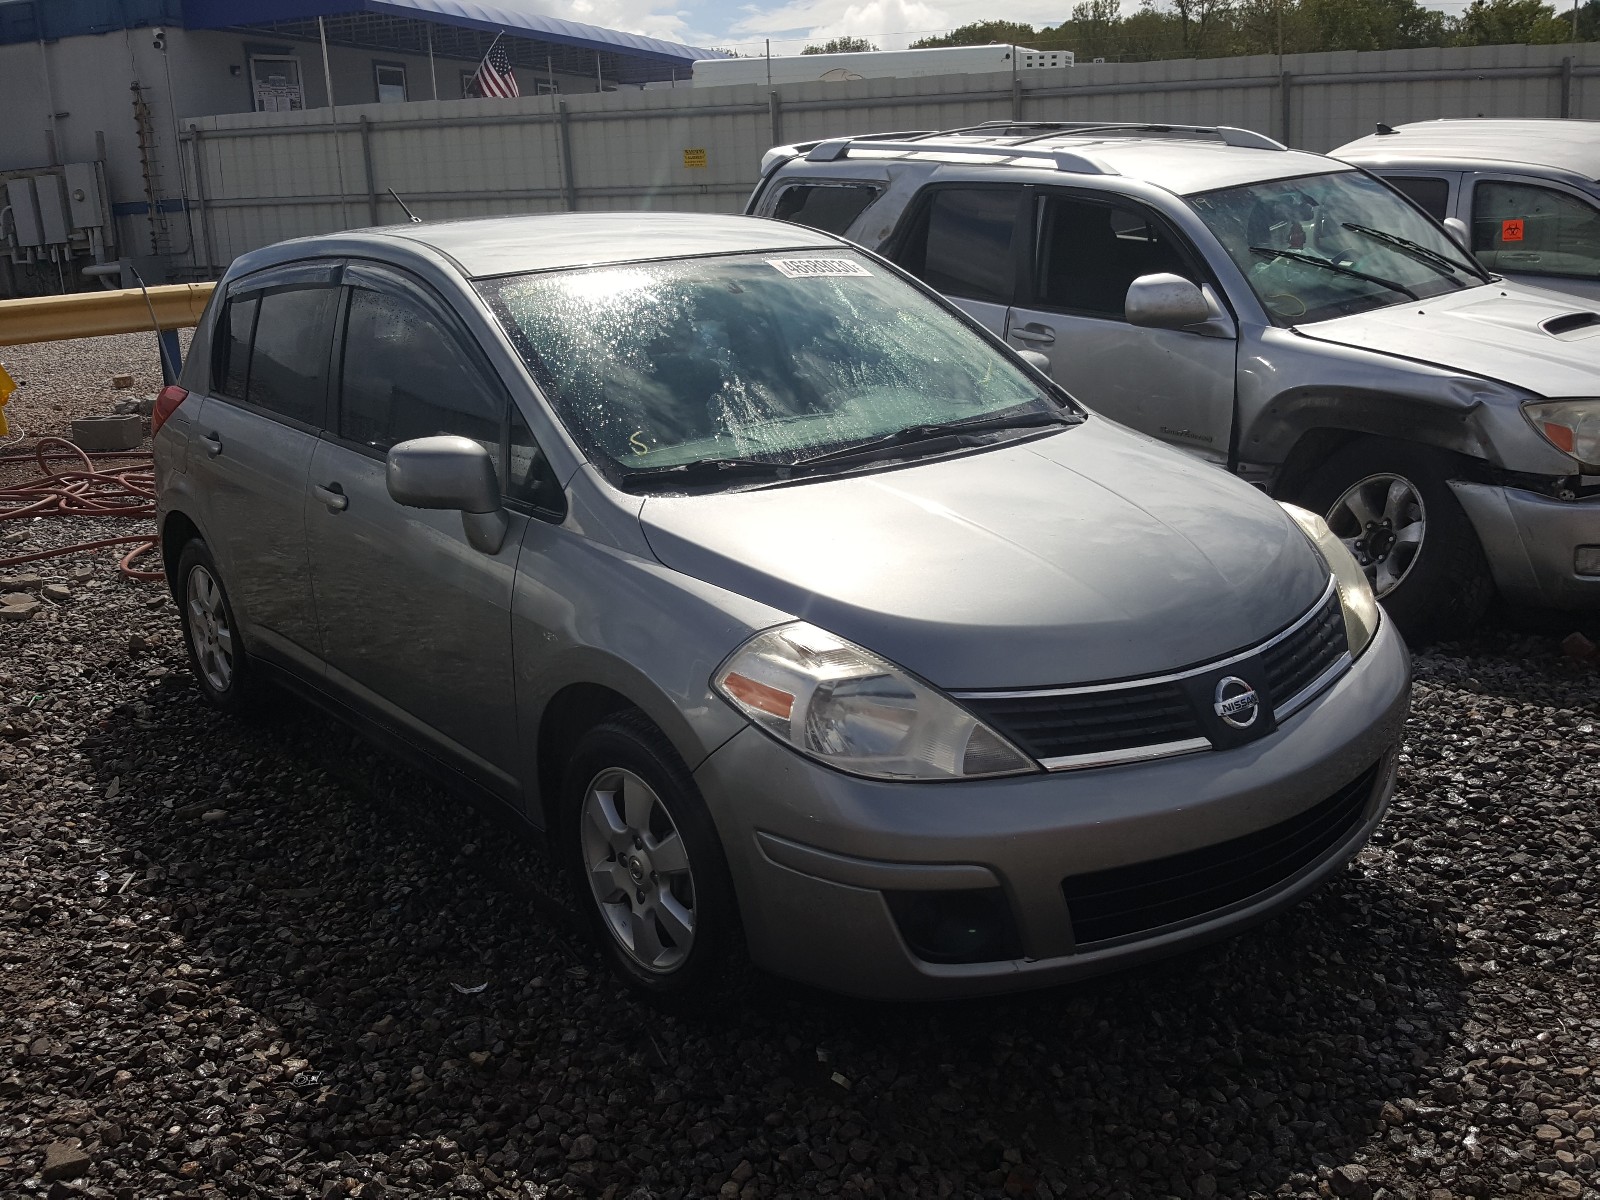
(1572,146)
(488,246)
(1181,159)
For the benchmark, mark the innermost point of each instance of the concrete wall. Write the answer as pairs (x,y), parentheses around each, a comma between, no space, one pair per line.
(90,79)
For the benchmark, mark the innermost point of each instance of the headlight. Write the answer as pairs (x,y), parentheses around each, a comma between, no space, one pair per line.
(844,706)
(1355,590)
(1571,426)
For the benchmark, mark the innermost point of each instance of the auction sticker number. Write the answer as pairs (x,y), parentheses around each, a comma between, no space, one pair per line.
(804,268)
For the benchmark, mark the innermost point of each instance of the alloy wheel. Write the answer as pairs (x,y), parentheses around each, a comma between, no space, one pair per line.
(638,870)
(1383,521)
(209,629)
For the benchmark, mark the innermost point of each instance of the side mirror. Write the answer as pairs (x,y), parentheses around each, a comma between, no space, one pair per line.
(449,472)
(1457,229)
(1039,362)
(1165,302)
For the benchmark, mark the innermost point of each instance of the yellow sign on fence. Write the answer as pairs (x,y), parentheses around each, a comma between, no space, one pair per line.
(694,158)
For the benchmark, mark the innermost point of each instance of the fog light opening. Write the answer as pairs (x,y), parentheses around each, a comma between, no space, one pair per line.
(970,926)
(1586,560)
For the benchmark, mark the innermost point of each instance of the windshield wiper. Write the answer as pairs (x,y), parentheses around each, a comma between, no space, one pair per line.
(1416,250)
(1296,256)
(953,431)
(705,470)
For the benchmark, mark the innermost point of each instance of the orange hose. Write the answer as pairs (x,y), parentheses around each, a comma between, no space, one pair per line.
(84,492)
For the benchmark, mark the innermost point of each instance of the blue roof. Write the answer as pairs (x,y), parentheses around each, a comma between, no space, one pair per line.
(514,17)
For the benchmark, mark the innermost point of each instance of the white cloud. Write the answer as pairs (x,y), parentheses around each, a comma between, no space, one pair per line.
(891,24)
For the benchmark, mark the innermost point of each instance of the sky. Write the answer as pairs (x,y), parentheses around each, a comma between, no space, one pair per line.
(745,24)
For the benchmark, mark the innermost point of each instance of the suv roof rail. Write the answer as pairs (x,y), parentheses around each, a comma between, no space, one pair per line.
(1062,160)
(1229,135)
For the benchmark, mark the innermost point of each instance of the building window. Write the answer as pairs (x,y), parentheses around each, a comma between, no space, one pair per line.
(469,85)
(390,80)
(275,82)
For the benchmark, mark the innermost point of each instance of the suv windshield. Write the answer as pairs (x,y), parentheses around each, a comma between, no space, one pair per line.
(750,360)
(1331,245)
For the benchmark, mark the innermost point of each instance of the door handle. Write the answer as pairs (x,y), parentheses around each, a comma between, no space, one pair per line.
(213,444)
(333,496)
(1041,335)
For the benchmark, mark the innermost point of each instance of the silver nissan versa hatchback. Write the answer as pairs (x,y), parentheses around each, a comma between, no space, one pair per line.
(793,607)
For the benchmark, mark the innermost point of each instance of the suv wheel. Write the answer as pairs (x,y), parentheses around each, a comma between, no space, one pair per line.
(1391,503)
(210,633)
(646,861)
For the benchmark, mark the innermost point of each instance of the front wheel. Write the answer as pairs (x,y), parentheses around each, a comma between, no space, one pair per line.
(647,864)
(1390,502)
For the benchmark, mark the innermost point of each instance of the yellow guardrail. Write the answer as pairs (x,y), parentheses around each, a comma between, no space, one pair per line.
(93,314)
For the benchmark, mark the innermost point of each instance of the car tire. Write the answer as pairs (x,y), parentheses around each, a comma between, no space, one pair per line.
(647,866)
(1392,504)
(217,656)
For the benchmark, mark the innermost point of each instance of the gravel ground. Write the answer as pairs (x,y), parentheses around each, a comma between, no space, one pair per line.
(259,959)
(65,380)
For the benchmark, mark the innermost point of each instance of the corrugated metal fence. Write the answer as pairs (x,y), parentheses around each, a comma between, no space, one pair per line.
(257,178)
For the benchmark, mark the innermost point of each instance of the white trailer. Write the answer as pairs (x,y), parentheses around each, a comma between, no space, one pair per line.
(875,64)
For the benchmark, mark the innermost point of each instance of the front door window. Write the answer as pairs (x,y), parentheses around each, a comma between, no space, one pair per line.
(1521,227)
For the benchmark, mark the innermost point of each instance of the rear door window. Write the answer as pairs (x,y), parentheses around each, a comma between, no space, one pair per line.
(960,243)
(289,354)
(237,325)
(830,207)
(1430,193)
(1522,227)
(1088,252)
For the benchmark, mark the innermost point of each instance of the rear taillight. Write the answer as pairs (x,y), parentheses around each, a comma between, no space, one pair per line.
(166,404)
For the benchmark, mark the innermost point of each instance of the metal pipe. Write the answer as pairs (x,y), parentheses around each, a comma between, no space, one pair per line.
(568,187)
(333,120)
(205,208)
(53,133)
(599,79)
(366,160)
(433,74)
(93,314)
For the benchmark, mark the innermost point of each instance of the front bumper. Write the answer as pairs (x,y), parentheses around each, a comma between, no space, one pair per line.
(813,851)
(1530,541)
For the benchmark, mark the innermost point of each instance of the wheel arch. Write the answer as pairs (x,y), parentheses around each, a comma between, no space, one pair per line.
(177,530)
(604,687)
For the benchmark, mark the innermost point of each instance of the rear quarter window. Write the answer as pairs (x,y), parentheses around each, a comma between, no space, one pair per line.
(830,207)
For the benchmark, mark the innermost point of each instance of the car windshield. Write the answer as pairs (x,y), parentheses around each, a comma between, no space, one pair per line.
(1331,245)
(752,359)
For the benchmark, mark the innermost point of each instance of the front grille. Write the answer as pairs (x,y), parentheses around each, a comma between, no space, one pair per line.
(1093,726)
(1295,661)
(1092,722)
(1145,896)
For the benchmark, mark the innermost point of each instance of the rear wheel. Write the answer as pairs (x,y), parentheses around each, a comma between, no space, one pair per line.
(1390,502)
(216,654)
(647,865)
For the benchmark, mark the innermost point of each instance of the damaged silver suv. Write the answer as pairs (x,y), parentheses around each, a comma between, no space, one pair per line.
(1280,314)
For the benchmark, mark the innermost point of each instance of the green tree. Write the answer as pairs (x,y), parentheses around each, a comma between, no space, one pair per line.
(1511,22)
(986,33)
(840,45)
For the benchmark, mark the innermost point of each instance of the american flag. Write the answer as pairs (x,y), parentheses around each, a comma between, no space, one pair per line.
(494,77)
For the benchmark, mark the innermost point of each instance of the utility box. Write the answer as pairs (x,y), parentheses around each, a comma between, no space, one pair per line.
(24,202)
(53,209)
(83,196)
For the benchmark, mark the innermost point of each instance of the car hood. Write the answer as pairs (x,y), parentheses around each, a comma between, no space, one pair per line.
(1497,331)
(1091,554)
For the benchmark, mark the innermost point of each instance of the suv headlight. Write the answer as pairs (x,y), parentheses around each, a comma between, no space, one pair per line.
(1355,590)
(844,706)
(1571,426)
